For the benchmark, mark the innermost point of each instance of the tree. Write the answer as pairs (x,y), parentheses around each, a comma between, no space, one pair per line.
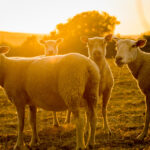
(90,23)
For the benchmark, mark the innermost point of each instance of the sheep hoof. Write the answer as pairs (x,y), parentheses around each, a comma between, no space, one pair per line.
(56,125)
(89,147)
(67,121)
(81,148)
(17,148)
(140,137)
(21,147)
(34,144)
(27,147)
(107,131)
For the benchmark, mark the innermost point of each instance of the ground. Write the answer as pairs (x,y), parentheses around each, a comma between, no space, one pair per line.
(126,111)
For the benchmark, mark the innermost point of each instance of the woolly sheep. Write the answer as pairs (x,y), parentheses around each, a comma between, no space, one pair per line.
(128,52)
(53,83)
(97,52)
(51,48)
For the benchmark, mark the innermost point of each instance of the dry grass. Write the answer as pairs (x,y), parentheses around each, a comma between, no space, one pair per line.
(125,115)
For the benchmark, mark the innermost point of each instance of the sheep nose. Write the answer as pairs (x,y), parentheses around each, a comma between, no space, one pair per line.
(119,60)
(97,54)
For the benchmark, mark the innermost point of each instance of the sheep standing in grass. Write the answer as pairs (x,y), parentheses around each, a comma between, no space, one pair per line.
(53,83)
(128,52)
(97,52)
(51,48)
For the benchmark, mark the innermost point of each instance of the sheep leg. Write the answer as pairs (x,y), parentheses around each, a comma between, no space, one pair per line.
(79,130)
(147,119)
(21,114)
(55,121)
(67,121)
(87,128)
(105,99)
(92,120)
(35,138)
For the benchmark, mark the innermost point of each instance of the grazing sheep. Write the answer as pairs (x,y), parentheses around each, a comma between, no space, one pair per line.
(51,48)
(53,83)
(97,52)
(128,52)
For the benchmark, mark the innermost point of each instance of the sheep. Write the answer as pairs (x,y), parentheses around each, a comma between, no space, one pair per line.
(51,48)
(54,83)
(138,62)
(97,52)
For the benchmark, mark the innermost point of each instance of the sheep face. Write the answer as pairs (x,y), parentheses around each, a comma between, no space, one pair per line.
(127,50)
(51,46)
(97,46)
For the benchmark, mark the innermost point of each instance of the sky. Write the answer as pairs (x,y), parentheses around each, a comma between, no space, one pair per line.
(41,16)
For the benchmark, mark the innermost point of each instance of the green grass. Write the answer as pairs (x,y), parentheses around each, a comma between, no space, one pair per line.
(125,115)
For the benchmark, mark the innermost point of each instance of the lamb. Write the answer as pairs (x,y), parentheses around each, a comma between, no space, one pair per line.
(129,52)
(97,52)
(53,83)
(51,48)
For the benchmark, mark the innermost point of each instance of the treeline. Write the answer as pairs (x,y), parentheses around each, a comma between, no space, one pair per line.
(91,23)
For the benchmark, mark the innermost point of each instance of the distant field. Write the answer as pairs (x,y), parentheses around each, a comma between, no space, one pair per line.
(125,114)
(15,38)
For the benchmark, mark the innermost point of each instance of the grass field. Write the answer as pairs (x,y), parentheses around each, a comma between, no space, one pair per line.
(125,114)
(16,39)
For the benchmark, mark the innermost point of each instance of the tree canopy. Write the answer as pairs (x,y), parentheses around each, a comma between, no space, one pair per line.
(90,23)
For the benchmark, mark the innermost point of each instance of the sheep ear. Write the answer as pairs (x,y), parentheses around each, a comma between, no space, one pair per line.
(60,40)
(84,39)
(42,41)
(108,37)
(141,43)
(4,49)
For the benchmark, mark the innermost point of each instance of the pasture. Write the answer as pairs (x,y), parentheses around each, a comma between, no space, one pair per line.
(126,111)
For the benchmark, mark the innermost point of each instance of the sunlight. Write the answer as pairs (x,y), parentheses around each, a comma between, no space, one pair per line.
(70,59)
(43,16)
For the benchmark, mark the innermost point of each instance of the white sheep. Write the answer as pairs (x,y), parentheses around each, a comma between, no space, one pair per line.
(51,48)
(53,83)
(128,52)
(97,52)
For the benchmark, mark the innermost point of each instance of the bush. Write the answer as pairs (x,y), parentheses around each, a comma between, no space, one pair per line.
(90,23)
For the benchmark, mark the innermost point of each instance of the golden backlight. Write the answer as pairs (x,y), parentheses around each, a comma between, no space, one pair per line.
(34,16)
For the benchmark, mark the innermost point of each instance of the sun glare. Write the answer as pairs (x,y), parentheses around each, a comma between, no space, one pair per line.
(33,16)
